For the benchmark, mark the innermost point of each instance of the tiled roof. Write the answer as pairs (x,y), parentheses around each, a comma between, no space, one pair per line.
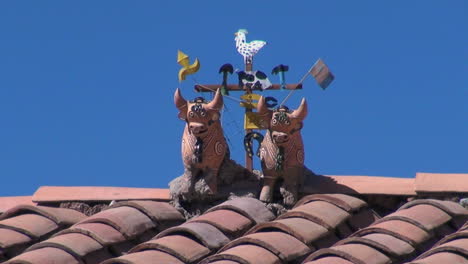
(200,236)
(104,235)
(338,227)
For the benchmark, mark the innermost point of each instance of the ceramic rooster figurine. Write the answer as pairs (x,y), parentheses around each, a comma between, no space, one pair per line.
(247,49)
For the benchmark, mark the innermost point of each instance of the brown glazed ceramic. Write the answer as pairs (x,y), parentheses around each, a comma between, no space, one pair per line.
(203,143)
(282,150)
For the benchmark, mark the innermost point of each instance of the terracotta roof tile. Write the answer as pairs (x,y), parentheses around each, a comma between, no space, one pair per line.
(301,228)
(323,213)
(147,256)
(102,233)
(60,216)
(441,183)
(182,247)
(12,201)
(47,194)
(162,213)
(360,185)
(286,247)
(246,254)
(442,258)
(313,223)
(345,202)
(32,225)
(44,256)
(129,221)
(397,237)
(425,216)
(109,233)
(248,207)
(227,221)
(78,245)
(207,234)
(202,235)
(330,260)
(24,225)
(449,248)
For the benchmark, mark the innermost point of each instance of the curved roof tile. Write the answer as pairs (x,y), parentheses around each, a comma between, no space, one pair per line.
(207,234)
(128,220)
(251,208)
(285,246)
(60,216)
(79,245)
(302,229)
(324,213)
(147,256)
(345,202)
(44,256)
(246,254)
(182,247)
(228,221)
(162,213)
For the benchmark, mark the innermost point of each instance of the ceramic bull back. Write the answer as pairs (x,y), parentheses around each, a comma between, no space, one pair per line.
(203,144)
(282,151)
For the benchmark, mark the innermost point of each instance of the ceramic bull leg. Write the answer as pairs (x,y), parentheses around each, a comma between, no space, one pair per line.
(266,194)
(203,145)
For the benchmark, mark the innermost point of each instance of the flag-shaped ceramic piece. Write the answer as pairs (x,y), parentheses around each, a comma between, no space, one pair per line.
(322,74)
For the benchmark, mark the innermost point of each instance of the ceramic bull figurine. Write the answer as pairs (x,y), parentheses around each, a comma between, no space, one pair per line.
(203,144)
(282,151)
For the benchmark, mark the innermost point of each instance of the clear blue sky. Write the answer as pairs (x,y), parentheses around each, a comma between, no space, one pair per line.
(86,87)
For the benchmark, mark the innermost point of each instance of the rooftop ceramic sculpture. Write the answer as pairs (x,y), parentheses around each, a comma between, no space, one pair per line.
(282,151)
(203,143)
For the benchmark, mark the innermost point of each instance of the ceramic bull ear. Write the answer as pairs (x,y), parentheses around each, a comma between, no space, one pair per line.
(217,102)
(181,104)
(262,107)
(301,112)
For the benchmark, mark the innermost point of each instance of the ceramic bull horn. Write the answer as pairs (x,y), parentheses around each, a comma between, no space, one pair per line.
(203,143)
(282,150)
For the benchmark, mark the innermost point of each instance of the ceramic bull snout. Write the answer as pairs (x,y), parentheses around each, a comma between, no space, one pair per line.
(203,143)
(282,151)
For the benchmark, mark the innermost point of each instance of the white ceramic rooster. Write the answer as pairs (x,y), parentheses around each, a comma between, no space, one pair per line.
(247,49)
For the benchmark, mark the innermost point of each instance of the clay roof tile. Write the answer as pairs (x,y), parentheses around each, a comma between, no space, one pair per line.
(60,216)
(323,213)
(148,256)
(128,220)
(80,246)
(32,225)
(302,229)
(43,256)
(12,201)
(355,253)
(182,247)
(161,213)
(230,222)
(207,234)
(245,254)
(251,208)
(285,246)
(345,202)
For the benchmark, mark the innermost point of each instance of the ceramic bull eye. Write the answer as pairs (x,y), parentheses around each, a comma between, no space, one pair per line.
(191,114)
